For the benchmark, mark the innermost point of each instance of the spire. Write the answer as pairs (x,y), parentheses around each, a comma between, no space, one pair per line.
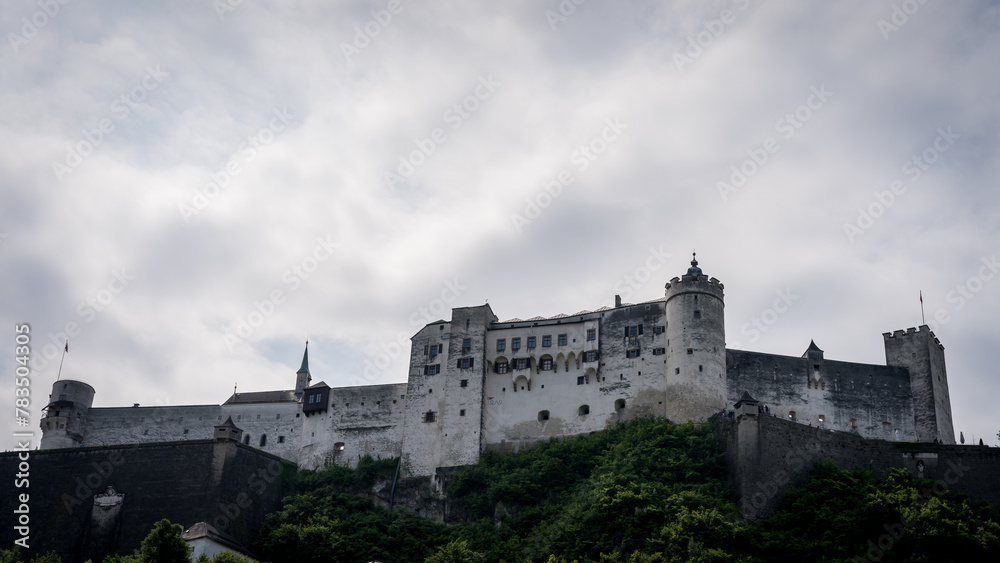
(694,270)
(305,360)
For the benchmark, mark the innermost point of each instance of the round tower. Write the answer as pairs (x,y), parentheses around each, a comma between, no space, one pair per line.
(65,417)
(696,346)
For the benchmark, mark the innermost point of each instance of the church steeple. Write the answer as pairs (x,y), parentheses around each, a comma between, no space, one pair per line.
(302,377)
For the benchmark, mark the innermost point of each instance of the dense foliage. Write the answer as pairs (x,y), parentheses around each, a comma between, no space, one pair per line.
(645,491)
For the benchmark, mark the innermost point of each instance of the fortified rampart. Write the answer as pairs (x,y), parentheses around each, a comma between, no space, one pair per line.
(89,502)
(766,454)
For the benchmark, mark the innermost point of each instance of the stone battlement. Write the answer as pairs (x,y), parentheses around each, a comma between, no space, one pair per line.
(912,332)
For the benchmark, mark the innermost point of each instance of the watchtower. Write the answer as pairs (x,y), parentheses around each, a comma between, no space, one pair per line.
(65,417)
(918,350)
(696,346)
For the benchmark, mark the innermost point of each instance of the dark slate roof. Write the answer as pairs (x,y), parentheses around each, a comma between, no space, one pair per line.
(206,530)
(305,360)
(262,397)
(746,399)
(813,347)
(318,385)
(228,422)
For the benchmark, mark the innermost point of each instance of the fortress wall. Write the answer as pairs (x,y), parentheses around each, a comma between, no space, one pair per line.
(141,425)
(868,394)
(767,454)
(224,483)
(365,420)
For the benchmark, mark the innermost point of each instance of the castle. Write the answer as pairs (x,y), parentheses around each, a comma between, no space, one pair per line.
(476,382)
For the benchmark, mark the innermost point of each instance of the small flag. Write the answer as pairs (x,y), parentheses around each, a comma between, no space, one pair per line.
(921,297)
(66,349)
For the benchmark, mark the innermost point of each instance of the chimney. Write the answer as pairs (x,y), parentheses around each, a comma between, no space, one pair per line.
(618,301)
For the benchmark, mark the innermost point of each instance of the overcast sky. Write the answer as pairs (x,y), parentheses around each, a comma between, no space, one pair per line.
(194,189)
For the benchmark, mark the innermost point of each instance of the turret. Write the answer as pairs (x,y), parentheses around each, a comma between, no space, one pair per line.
(918,350)
(65,418)
(302,377)
(696,346)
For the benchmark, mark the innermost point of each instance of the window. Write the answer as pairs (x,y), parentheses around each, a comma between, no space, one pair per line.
(886,426)
(591,334)
(659,351)
(263,440)
(429,416)
(690,351)
(543,416)
(502,367)
(501,344)
(546,364)
(580,380)
(531,342)
(854,423)
(466,344)
(276,417)
(461,412)
(185,430)
(677,371)
(590,356)
(521,363)
(562,339)
(697,314)
(659,329)
(465,383)
(633,353)
(432,369)
(821,418)
(700,368)
(515,344)
(338,447)
(310,398)
(547,341)
(465,363)
(583,410)
(246,439)
(791,415)
(633,331)
(281,439)
(619,404)
(239,417)
(62,397)
(435,350)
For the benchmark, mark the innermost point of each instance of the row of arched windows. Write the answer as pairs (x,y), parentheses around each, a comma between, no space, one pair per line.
(583,410)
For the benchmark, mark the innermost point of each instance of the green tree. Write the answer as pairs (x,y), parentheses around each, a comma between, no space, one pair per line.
(164,545)
(456,551)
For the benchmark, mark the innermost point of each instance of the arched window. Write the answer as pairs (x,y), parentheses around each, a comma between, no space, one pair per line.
(543,416)
(338,447)
(246,439)
(583,410)
(263,440)
(619,404)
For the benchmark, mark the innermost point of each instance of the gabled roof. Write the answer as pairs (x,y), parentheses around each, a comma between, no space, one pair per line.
(207,531)
(262,397)
(318,385)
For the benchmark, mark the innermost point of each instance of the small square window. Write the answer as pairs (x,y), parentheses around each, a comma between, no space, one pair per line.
(461,412)
(690,351)
(281,439)
(515,344)
(465,383)
(697,314)
(501,344)
(531,342)
(562,339)
(546,341)
(579,380)
(466,343)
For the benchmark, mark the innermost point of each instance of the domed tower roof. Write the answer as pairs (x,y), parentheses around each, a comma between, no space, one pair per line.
(694,270)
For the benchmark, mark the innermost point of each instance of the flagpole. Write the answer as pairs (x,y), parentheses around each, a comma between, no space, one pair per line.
(923,321)
(65,349)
